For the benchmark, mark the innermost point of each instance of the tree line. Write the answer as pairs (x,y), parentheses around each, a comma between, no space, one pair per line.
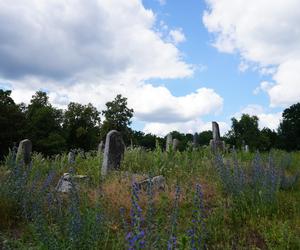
(54,130)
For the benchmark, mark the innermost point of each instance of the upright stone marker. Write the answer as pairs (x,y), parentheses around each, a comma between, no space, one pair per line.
(216,131)
(195,140)
(216,144)
(113,152)
(169,142)
(71,157)
(24,151)
(246,148)
(175,144)
(100,147)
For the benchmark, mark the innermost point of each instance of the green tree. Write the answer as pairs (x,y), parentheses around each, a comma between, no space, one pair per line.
(12,122)
(82,126)
(268,139)
(244,131)
(289,128)
(117,116)
(147,141)
(44,125)
(204,137)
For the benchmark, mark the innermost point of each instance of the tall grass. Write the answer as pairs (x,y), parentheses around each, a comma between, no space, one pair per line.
(229,201)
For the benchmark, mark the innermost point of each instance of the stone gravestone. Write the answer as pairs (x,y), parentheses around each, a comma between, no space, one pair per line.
(169,142)
(113,152)
(158,183)
(71,157)
(67,182)
(24,151)
(195,140)
(100,147)
(246,148)
(216,144)
(175,144)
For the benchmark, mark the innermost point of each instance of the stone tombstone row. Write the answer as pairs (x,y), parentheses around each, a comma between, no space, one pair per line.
(24,152)
(216,143)
(113,152)
(171,143)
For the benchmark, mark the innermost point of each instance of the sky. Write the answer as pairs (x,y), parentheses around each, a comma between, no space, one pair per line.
(181,64)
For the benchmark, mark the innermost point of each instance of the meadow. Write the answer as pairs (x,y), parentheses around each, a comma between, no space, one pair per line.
(236,200)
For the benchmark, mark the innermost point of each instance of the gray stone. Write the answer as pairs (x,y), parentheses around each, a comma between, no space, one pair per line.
(100,147)
(113,152)
(71,157)
(216,144)
(175,144)
(246,148)
(24,151)
(158,183)
(67,182)
(195,144)
(216,131)
(169,142)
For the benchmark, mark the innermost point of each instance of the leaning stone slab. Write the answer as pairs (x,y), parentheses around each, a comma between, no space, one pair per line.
(24,151)
(113,152)
(65,183)
(158,183)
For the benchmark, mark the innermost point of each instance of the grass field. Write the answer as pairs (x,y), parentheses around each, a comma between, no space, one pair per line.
(234,201)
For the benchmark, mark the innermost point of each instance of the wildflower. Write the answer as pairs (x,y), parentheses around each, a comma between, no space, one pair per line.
(198,230)
(172,239)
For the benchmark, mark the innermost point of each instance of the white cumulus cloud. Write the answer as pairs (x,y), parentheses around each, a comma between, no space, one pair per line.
(90,51)
(265,32)
(191,127)
(177,36)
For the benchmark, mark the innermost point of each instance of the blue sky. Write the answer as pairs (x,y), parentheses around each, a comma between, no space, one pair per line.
(217,70)
(181,64)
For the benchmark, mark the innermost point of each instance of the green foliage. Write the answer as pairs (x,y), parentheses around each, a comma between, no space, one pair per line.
(12,122)
(289,129)
(44,125)
(244,131)
(204,138)
(81,126)
(90,219)
(117,116)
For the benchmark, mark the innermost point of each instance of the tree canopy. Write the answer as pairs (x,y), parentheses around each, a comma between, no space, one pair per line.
(289,128)
(117,116)
(53,130)
(12,122)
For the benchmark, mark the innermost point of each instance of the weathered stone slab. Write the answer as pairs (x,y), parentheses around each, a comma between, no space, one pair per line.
(216,144)
(195,144)
(158,183)
(216,131)
(113,152)
(24,152)
(71,157)
(65,183)
(169,142)
(100,148)
(175,144)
